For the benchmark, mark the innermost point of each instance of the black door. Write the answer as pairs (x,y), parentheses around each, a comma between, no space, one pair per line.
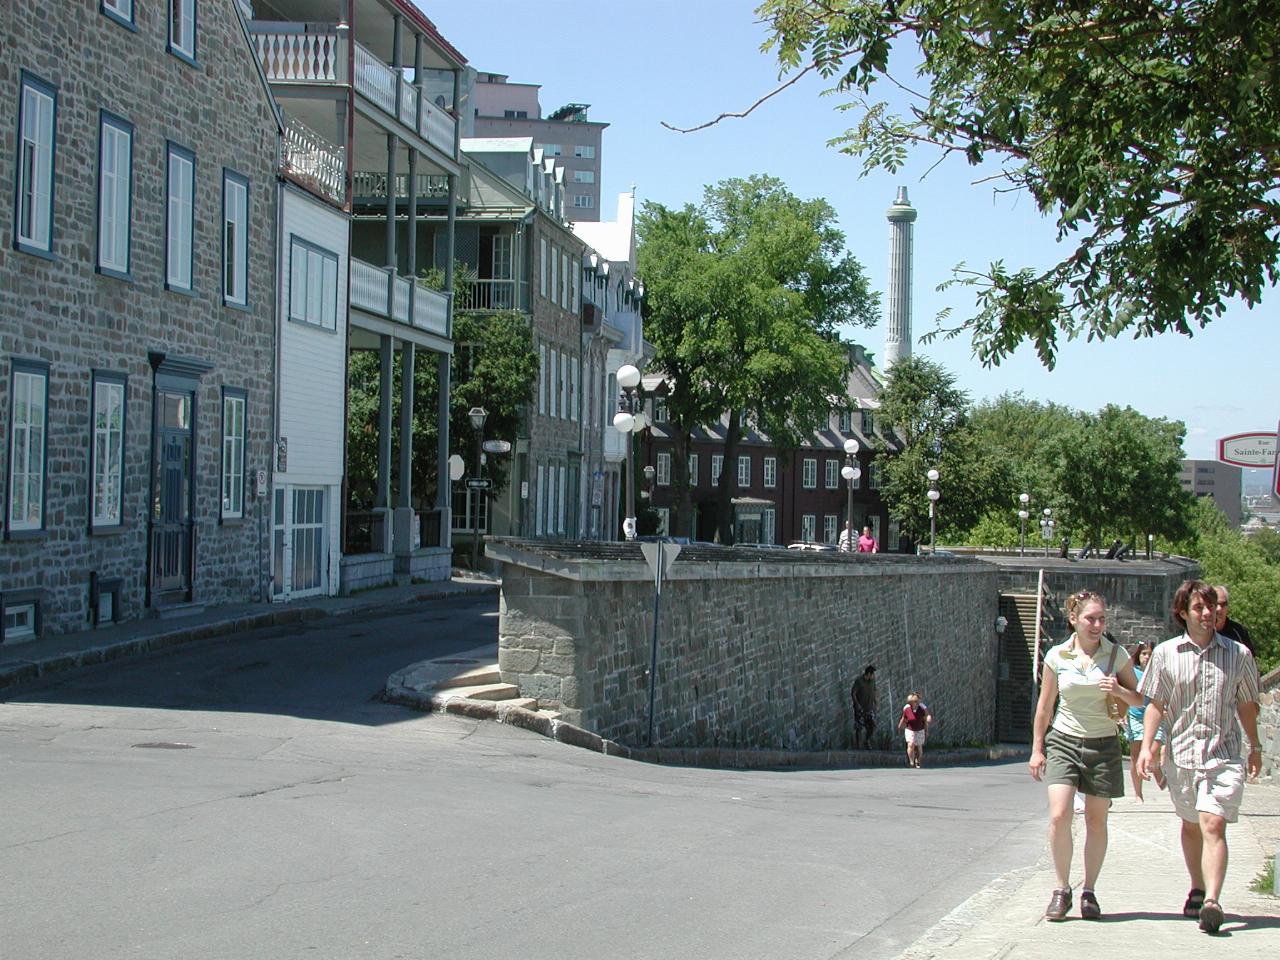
(172,532)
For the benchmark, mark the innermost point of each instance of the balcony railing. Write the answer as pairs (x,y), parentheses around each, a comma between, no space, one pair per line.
(366,183)
(314,162)
(488,295)
(290,55)
(377,290)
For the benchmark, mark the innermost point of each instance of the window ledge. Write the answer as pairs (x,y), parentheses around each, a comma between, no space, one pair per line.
(23,247)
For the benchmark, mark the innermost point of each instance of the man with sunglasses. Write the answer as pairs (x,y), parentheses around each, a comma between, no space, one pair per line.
(1225,625)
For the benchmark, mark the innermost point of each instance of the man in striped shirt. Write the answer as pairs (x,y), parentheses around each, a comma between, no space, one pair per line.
(1202,683)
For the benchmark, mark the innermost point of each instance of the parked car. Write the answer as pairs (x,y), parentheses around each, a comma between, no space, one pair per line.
(814,547)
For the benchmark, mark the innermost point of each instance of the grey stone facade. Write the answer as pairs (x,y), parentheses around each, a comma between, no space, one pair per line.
(755,651)
(62,312)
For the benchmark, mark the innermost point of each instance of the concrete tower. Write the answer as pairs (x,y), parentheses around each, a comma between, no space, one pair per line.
(897,334)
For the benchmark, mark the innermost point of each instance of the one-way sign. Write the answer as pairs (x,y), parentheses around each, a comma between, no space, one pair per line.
(475,484)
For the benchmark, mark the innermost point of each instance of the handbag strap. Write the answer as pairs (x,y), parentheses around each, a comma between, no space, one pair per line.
(1115,650)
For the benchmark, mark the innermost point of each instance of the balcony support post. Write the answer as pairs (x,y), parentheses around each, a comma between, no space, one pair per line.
(397,61)
(449,252)
(443,483)
(393,147)
(417,81)
(411,250)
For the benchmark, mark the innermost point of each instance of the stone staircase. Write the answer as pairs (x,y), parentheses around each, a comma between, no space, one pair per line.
(470,676)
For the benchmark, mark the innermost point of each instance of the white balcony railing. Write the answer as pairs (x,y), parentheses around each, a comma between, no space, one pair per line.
(367,183)
(431,310)
(313,161)
(291,57)
(371,286)
(377,81)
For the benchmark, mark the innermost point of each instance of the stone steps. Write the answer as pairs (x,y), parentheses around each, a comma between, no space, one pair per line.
(483,691)
(475,677)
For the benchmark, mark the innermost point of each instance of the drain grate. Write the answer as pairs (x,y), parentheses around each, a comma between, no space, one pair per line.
(164,745)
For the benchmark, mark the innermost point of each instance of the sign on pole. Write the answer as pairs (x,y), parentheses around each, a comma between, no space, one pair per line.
(480,484)
(1248,449)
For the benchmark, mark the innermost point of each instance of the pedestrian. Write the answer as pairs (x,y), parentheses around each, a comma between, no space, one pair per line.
(865,701)
(1080,749)
(867,543)
(1207,686)
(1225,625)
(915,721)
(845,543)
(1133,724)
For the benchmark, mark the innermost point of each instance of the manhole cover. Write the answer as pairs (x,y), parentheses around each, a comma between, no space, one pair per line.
(163,745)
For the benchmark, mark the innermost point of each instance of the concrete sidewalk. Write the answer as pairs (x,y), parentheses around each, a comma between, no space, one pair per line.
(22,663)
(1141,891)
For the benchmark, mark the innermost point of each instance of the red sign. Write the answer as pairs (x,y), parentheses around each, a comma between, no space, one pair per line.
(1275,470)
(1248,449)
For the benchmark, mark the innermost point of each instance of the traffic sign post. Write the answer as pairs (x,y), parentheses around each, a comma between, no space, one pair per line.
(477,484)
(659,556)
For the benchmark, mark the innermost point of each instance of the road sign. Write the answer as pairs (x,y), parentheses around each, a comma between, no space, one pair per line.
(496,446)
(1248,449)
(669,550)
(1275,471)
(475,484)
(456,467)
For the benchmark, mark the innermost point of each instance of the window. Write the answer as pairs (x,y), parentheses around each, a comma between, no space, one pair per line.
(664,521)
(809,527)
(542,378)
(717,464)
(770,471)
(37,119)
(660,410)
(829,528)
(664,469)
(555,272)
(576,303)
(565,367)
(895,536)
(235,238)
(564,280)
(549,149)
(583,152)
(744,472)
(120,11)
(115,183)
(873,476)
(313,285)
(540,500)
(832,467)
(233,403)
(856,482)
(693,469)
(182,28)
(584,176)
(21,622)
(28,409)
(575,392)
(515,114)
(106,454)
(767,522)
(560,511)
(810,475)
(555,383)
(584,200)
(542,266)
(180,226)
(868,422)
(846,422)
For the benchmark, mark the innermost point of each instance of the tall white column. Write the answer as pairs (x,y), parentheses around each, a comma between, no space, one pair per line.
(897,337)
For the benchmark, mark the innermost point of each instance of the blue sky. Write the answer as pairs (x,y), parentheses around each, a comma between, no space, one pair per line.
(641,62)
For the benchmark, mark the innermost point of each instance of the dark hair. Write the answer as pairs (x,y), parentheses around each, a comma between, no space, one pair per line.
(869,668)
(1188,589)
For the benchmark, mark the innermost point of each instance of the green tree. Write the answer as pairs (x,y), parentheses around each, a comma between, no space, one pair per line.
(1150,131)
(745,295)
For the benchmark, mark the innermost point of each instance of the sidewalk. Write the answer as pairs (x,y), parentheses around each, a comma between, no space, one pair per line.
(1141,890)
(25,662)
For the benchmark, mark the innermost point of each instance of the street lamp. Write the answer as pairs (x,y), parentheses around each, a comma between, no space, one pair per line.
(851,472)
(646,492)
(477,416)
(1024,499)
(1047,524)
(627,420)
(933,495)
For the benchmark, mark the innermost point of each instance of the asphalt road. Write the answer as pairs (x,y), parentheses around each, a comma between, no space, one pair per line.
(252,798)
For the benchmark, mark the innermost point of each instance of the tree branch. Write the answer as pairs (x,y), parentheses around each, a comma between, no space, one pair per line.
(768,96)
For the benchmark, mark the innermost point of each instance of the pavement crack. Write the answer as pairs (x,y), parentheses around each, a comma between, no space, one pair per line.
(290,786)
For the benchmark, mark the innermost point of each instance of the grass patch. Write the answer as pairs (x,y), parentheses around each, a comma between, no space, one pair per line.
(1265,881)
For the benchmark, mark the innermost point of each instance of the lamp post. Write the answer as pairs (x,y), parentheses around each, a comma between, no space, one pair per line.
(477,416)
(1024,499)
(626,421)
(933,495)
(851,472)
(1047,524)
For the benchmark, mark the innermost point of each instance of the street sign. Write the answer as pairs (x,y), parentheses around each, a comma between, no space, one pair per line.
(496,446)
(669,550)
(474,484)
(1275,471)
(1248,449)
(456,467)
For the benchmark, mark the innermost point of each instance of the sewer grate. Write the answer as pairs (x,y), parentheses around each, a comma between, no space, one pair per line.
(164,745)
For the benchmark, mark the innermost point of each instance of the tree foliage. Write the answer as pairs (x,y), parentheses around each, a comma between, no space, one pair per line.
(745,295)
(1150,131)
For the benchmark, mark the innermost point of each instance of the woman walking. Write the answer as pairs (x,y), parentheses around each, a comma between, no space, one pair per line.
(1133,725)
(1080,748)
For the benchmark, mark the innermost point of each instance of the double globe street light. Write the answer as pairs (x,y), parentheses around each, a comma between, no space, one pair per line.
(628,420)
(1023,513)
(851,472)
(933,496)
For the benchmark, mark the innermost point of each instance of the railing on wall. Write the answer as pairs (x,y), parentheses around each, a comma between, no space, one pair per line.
(313,161)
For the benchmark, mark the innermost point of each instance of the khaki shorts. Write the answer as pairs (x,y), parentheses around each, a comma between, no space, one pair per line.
(1217,790)
(917,738)
(1090,764)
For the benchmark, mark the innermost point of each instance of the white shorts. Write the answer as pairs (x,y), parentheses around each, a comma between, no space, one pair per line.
(1217,790)
(916,737)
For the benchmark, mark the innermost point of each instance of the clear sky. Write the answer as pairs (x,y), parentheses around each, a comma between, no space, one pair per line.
(641,62)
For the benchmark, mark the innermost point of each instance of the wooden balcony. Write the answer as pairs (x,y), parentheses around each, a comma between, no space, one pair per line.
(380,291)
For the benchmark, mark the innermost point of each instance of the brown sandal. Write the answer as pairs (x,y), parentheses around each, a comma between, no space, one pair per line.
(1195,900)
(1211,916)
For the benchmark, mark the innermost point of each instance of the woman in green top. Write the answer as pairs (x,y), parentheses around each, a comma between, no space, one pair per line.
(1080,749)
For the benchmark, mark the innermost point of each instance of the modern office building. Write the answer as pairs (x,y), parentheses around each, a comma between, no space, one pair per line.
(1213,478)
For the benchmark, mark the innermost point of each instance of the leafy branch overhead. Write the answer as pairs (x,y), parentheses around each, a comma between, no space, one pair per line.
(1151,132)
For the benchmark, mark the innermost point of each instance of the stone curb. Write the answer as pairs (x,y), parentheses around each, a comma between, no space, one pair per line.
(26,671)
(572,735)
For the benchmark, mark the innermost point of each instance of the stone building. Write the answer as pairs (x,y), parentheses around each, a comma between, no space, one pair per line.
(137,279)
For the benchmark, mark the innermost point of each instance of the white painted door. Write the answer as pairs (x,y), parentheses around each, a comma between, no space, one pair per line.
(300,543)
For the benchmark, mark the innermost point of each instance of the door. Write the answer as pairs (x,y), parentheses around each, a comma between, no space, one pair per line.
(300,543)
(172,530)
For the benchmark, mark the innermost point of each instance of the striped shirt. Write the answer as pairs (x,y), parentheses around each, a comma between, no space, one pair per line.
(1201,690)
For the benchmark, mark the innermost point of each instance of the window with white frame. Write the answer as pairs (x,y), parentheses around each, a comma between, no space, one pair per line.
(744,472)
(313,285)
(235,238)
(106,466)
(28,415)
(584,176)
(832,467)
(717,464)
(561,501)
(868,422)
(555,273)
(664,469)
(809,527)
(180,223)
(664,521)
(542,266)
(575,391)
(564,280)
(119,10)
(873,476)
(542,378)
(584,200)
(37,122)
(566,366)
(660,410)
(549,149)
(809,473)
(115,189)
(576,304)
(846,422)
(20,622)
(767,522)
(829,522)
(540,497)
(693,469)
(233,407)
(770,472)
(555,382)
(182,28)
(549,522)
(584,152)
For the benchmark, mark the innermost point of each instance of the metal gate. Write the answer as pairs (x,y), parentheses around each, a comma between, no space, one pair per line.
(300,543)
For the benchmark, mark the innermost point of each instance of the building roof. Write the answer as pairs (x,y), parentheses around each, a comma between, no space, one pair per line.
(496,144)
(613,239)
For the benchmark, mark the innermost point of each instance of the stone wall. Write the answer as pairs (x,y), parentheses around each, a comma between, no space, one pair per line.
(756,650)
(1269,724)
